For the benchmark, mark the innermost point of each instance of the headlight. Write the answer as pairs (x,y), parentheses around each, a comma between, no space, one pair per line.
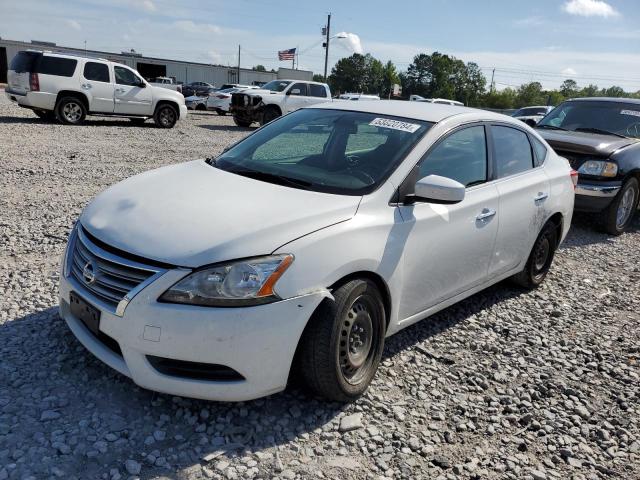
(599,168)
(234,284)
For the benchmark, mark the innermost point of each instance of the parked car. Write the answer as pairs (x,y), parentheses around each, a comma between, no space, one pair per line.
(166,82)
(69,88)
(197,88)
(358,96)
(441,101)
(601,139)
(220,101)
(531,115)
(364,218)
(199,101)
(274,99)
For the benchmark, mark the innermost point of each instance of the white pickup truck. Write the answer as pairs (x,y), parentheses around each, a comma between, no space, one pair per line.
(68,88)
(274,99)
(166,82)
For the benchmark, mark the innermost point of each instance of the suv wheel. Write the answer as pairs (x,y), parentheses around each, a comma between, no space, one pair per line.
(71,110)
(618,216)
(540,258)
(269,115)
(241,123)
(165,116)
(341,347)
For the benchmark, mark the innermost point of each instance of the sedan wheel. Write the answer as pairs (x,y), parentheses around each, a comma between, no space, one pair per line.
(540,258)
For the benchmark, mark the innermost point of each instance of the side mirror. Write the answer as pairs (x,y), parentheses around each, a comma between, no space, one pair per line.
(294,91)
(437,189)
(142,85)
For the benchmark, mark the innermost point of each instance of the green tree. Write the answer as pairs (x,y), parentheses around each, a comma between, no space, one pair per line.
(391,77)
(590,91)
(530,94)
(503,99)
(259,68)
(615,91)
(357,73)
(318,78)
(569,88)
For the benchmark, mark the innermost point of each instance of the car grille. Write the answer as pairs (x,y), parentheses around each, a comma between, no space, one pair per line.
(103,274)
(243,100)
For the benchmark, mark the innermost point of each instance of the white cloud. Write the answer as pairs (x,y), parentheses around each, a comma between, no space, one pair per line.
(530,22)
(73,24)
(569,72)
(192,27)
(590,8)
(214,56)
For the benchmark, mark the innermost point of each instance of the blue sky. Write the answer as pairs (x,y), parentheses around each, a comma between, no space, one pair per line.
(592,41)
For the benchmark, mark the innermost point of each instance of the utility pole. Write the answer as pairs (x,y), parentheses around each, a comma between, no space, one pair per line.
(238,63)
(85,47)
(326,47)
(493,75)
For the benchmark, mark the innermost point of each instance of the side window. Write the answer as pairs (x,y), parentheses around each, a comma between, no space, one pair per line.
(512,151)
(540,151)
(124,76)
(98,72)
(62,67)
(317,91)
(462,156)
(299,86)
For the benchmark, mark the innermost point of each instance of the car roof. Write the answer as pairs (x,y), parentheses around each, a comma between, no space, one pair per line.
(606,99)
(298,81)
(430,112)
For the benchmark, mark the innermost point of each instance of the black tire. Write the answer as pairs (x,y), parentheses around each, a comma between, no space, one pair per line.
(241,123)
(220,112)
(165,116)
(47,115)
(269,114)
(540,258)
(342,345)
(137,121)
(201,107)
(70,111)
(617,217)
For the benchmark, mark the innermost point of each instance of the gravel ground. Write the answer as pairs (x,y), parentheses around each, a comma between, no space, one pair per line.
(506,384)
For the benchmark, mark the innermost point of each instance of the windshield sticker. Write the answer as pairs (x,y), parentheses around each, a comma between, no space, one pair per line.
(395,125)
(630,112)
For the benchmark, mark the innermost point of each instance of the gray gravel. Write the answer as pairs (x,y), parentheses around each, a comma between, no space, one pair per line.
(540,385)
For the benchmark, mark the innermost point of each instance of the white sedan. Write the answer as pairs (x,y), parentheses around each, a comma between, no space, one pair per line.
(221,100)
(309,242)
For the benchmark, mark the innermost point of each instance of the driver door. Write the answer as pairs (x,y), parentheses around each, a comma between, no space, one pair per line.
(132,95)
(449,247)
(297,97)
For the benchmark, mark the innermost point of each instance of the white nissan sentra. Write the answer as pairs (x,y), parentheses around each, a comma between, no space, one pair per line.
(307,243)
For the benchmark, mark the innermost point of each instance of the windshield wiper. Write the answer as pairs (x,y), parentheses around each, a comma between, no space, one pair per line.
(552,127)
(272,178)
(598,130)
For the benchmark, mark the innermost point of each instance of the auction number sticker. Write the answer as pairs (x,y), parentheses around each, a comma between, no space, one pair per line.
(395,125)
(630,112)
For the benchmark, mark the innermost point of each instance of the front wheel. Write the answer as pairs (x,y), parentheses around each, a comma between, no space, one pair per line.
(241,123)
(269,115)
(617,217)
(342,345)
(540,258)
(165,116)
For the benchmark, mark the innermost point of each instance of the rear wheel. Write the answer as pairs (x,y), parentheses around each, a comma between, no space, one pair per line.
(221,112)
(341,347)
(166,116)
(241,123)
(201,106)
(70,110)
(540,258)
(617,217)
(268,115)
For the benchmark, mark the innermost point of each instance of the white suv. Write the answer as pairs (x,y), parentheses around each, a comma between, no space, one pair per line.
(69,88)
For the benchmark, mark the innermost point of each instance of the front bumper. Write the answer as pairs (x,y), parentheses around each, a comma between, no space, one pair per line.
(595,197)
(183,111)
(257,342)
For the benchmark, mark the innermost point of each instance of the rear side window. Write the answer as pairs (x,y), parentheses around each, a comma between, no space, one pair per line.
(539,150)
(23,62)
(98,72)
(317,91)
(299,86)
(62,67)
(512,151)
(462,156)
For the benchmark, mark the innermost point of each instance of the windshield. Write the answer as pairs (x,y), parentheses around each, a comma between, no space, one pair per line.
(619,118)
(333,151)
(275,85)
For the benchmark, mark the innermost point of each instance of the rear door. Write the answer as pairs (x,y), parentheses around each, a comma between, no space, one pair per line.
(19,71)
(524,189)
(132,95)
(97,82)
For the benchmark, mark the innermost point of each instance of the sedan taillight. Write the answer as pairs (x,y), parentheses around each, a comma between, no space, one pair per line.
(574,178)
(223,96)
(34,82)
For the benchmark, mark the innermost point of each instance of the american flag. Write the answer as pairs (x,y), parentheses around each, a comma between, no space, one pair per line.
(287,54)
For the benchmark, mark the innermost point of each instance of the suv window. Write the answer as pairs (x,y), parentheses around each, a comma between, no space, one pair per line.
(317,90)
(96,71)
(124,76)
(512,151)
(62,67)
(462,156)
(300,86)
(23,62)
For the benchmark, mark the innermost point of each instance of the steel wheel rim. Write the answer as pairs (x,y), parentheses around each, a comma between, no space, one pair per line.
(542,255)
(72,112)
(625,207)
(166,116)
(356,349)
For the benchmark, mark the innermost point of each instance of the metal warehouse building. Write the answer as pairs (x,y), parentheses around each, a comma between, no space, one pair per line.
(150,67)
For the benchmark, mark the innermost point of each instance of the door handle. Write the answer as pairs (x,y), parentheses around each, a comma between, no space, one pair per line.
(86,86)
(120,90)
(541,196)
(486,214)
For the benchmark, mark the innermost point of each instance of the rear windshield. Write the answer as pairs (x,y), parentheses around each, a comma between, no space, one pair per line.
(23,62)
(63,67)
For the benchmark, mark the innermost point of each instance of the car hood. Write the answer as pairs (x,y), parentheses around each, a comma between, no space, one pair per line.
(584,142)
(259,91)
(167,93)
(193,214)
